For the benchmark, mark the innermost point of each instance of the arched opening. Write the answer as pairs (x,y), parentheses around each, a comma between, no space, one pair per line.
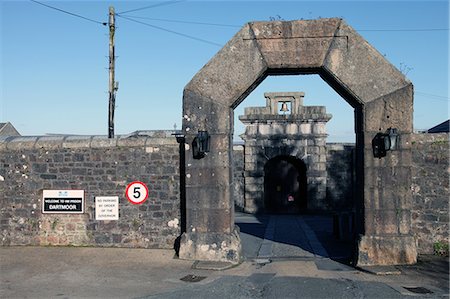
(379,93)
(285,185)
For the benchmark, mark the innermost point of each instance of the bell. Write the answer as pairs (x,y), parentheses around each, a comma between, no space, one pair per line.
(284,107)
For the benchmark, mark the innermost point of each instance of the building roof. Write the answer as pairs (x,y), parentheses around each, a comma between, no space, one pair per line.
(7,129)
(440,128)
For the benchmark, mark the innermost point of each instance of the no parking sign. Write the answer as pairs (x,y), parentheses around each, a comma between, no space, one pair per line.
(136,192)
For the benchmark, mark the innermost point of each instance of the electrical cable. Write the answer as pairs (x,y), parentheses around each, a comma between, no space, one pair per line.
(403,30)
(211,24)
(69,13)
(151,6)
(171,31)
(433,96)
(238,26)
(186,22)
(132,19)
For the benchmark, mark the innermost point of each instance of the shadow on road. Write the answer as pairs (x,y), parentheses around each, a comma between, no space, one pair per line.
(292,237)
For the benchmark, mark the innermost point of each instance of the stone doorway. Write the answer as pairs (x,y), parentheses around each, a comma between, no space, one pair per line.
(380,94)
(285,186)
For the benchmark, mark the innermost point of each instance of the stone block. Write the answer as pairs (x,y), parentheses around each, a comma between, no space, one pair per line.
(405,222)
(212,117)
(209,197)
(252,206)
(259,181)
(211,246)
(251,130)
(397,116)
(319,128)
(48,176)
(292,129)
(250,167)
(39,167)
(381,222)
(20,143)
(49,142)
(305,129)
(360,67)
(264,129)
(73,142)
(227,76)
(300,43)
(103,142)
(208,176)
(203,220)
(386,250)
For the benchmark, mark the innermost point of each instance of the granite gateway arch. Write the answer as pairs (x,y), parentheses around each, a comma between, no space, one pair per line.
(380,94)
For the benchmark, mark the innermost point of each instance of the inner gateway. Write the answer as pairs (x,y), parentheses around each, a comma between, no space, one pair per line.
(285,156)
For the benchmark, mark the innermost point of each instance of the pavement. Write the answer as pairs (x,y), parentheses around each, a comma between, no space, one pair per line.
(285,257)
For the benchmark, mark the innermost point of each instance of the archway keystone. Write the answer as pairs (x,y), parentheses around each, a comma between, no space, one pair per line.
(382,98)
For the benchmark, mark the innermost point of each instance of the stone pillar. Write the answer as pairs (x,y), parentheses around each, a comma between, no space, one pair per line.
(210,231)
(388,238)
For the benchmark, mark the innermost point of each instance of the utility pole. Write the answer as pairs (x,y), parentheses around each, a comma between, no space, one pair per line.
(112,84)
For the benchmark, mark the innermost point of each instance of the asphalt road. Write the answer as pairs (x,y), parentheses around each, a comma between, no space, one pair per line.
(285,257)
(297,256)
(271,286)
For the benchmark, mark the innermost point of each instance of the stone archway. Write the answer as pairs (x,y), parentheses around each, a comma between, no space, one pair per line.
(382,98)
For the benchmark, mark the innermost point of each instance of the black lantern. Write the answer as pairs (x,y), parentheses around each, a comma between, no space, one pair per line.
(393,138)
(383,142)
(200,144)
(379,145)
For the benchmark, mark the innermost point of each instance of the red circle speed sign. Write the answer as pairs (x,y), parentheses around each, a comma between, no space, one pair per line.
(136,193)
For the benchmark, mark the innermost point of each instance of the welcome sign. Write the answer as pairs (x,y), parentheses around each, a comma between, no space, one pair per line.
(63,201)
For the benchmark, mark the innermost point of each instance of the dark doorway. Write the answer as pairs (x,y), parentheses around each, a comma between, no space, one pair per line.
(285,185)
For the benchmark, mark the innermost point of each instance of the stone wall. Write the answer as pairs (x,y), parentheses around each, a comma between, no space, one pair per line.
(340,176)
(238,177)
(430,177)
(104,167)
(100,167)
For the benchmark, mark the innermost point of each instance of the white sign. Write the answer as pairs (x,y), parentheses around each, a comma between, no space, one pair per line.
(106,208)
(63,201)
(136,192)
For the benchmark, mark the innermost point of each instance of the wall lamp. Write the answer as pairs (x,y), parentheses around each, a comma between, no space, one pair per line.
(383,142)
(201,144)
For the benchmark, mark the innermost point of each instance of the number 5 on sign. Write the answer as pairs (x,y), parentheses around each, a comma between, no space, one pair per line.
(136,192)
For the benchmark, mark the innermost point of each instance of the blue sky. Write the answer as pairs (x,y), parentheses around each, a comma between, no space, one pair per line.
(54,76)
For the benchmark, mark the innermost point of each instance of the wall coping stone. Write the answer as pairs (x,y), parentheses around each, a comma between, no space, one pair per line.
(135,139)
(336,146)
(429,137)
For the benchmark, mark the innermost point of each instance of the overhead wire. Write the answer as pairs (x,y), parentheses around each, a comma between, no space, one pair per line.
(404,30)
(171,31)
(433,96)
(151,6)
(239,26)
(133,19)
(70,13)
(186,22)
